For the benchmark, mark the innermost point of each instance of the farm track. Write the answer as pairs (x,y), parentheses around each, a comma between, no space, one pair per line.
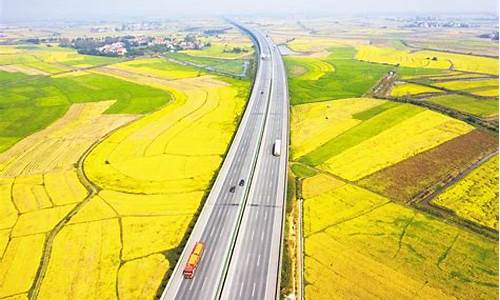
(92,191)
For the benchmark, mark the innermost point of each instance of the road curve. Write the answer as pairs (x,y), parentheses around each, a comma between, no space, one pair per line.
(242,230)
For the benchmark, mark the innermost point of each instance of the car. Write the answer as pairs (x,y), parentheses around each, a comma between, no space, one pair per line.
(232,189)
(242,182)
(262,92)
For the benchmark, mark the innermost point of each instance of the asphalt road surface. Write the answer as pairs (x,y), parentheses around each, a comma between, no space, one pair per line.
(242,229)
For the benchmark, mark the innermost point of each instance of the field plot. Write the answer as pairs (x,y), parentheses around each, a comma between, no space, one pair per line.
(314,124)
(411,89)
(32,105)
(40,172)
(487,87)
(158,67)
(429,59)
(222,49)
(468,104)
(406,179)
(153,174)
(359,244)
(312,80)
(475,197)
(44,60)
(381,137)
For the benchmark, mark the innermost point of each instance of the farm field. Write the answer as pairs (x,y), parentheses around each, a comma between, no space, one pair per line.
(40,171)
(43,100)
(428,59)
(118,237)
(234,67)
(407,89)
(487,87)
(345,78)
(221,49)
(404,180)
(386,250)
(362,161)
(44,60)
(479,107)
(475,197)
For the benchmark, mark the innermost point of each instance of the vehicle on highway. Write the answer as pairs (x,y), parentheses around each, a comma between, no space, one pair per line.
(262,92)
(242,182)
(232,189)
(193,260)
(277,148)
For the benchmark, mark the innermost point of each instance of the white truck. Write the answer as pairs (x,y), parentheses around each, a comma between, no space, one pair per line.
(277,148)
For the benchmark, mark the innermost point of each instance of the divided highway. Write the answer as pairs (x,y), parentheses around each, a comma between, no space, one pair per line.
(241,224)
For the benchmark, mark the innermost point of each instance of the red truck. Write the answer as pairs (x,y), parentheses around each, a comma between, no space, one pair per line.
(193,260)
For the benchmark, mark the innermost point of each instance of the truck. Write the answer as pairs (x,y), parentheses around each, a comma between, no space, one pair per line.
(193,260)
(277,148)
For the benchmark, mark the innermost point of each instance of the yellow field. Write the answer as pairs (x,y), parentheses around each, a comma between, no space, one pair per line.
(157,67)
(475,197)
(318,47)
(408,89)
(359,245)
(428,59)
(421,132)
(140,278)
(40,171)
(152,174)
(43,60)
(487,87)
(314,124)
(84,262)
(310,68)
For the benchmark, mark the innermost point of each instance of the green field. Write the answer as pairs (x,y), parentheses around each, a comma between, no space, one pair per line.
(28,106)
(231,66)
(52,59)
(350,77)
(468,104)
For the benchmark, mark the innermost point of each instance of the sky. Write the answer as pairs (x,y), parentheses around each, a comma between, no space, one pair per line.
(26,10)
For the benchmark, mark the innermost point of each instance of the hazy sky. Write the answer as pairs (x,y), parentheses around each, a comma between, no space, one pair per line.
(81,9)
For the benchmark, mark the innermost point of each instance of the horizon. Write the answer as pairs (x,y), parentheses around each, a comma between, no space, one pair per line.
(94,10)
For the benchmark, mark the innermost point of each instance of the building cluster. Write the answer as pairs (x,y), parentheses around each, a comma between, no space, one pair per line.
(438,24)
(117,49)
(131,45)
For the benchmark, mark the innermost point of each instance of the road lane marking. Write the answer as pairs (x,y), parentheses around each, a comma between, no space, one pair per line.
(241,287)
(258,261)
(253,290)
(253,233)
(262,236)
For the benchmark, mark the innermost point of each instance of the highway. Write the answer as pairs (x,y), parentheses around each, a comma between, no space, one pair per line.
(242,229)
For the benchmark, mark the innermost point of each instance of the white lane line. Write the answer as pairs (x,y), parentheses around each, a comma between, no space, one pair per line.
(258,261)
(257,215)
(265,216)
(253,233)
(262,236)
(253,290)
(241,287)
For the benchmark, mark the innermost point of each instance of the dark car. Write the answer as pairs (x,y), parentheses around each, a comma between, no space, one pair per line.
(242,182)
(262,92)
(232,189)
